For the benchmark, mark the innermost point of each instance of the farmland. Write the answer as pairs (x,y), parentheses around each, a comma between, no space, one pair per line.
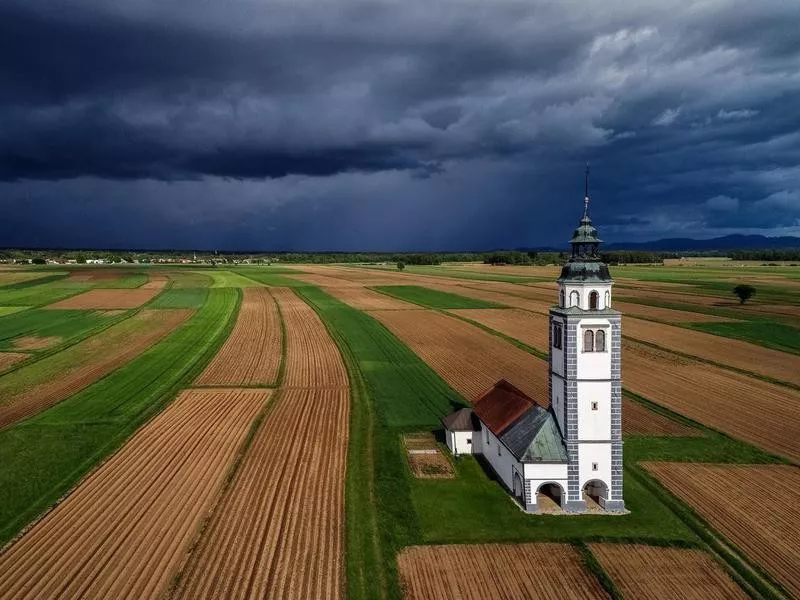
(251,426)
(665,573)
(496,571)
(176,462)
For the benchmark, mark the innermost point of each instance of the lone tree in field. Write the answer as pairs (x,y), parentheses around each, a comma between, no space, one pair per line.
(744,292)
(400,265)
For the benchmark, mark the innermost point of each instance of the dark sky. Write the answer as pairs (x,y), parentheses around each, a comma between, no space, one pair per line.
(402,124)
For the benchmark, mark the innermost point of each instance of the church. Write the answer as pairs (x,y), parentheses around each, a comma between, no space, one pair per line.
(566,453)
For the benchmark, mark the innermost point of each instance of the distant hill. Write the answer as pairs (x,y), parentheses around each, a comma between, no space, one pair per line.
(728,242)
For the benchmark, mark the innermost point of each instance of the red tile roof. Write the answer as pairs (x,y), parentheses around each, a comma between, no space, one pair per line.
(501,406)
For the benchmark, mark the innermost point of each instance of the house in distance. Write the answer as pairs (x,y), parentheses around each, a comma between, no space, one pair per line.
(568,450)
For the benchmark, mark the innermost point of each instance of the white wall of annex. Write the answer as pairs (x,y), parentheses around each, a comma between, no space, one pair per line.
(594,424)
(502,463)
(463,443)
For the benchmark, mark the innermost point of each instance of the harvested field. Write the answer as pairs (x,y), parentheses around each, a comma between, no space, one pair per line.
(252,353)
(639,420)
(96,275)
(527,327)
(468,358)
(279,530)
(495,572)
(42,384)
(735,353)
(115,298)
(430,464)
(124,530)
(364,299)
(653,573)
(755,411)
(667,315)
(312,358)
(325,281)
(9,358)
(11,278)
(34,342)
(754,506)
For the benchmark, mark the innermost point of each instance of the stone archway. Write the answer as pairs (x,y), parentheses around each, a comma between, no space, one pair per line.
(550,497)
(595,493)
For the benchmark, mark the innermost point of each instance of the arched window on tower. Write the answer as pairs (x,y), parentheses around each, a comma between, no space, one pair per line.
(574,298)
(563,299)
(600,341)
(608,300)
(594,299)
(588,341)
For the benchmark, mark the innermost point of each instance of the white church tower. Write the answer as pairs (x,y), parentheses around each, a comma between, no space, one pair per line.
(585,378)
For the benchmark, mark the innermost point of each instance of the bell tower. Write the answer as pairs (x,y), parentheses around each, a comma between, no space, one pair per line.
(585,373)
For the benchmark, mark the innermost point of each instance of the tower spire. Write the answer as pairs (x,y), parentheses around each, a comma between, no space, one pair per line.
(586,192)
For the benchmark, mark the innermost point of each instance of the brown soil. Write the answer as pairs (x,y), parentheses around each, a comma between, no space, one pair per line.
(98,274)
(252,353)
(653,573)
(754,506)
(312,358)
(735,353)
(9,358)
(115,299)
(279,530)
(639,420)
(430,464)
(34,342)
(468,358)
(111,313)
(365,299)
(496,572)
(758,412)
(96,357)
(667,315)
(124,530)
(419,441)
(527,327)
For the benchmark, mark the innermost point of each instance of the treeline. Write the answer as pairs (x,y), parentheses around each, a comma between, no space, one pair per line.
(768,255)
(618,257)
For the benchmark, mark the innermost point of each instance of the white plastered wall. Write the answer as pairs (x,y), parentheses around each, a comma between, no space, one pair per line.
(594,453)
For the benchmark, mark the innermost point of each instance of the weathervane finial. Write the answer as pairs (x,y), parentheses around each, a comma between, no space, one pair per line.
(586,193)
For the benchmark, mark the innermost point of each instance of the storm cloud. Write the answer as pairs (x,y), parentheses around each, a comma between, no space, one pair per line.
(347,124)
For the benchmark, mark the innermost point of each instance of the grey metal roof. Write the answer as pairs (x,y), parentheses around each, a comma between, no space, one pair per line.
(535,437)
(461,420)
(585,270)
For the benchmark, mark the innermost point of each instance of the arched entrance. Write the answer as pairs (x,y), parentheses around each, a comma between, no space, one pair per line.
(519,490)
(550,497)
(595,493)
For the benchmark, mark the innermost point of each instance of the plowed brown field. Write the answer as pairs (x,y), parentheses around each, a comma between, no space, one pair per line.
(94,275)
(115,299)
(667,315)
(496,572)
(9,358)
(312,358)
(94,358)
(34,342)
(468,358)
(124,530)
(365,299)
(754,506)
(252,353)
(527,327)
(758,412)
(653,573)
(279,530)
(639,420)
(735,353)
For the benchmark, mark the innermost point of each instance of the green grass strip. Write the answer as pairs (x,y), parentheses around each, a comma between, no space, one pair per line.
(45,456)
(433,298)
(765,333)
(64,324)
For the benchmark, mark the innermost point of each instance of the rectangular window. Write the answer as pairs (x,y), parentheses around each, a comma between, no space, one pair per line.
(594,466)
(558,336)
(498,449)
(469,441)
(594,405)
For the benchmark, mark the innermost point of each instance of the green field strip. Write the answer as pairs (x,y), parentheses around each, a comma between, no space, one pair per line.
(46,455)
(435,299)
(64,324)
(764,333)
(268,278)
(10,310)
(407,392)
(40,279)
(229,279)
(41,294)
(438,271)
(189,279)
(180,298)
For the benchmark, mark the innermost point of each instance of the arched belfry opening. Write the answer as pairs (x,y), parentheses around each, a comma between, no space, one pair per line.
(594,300)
